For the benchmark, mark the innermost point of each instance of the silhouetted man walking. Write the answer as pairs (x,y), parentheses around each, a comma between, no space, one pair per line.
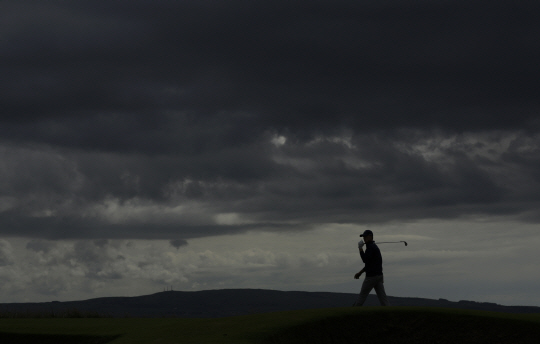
(374,276)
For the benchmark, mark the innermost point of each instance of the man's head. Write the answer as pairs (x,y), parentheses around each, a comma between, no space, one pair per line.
(367,235)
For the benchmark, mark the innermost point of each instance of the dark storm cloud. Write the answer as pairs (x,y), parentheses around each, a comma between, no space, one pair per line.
(40,245)
(311,65)
(177,243)
(156,119)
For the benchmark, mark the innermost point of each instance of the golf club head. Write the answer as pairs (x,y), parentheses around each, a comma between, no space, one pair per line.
(406,243)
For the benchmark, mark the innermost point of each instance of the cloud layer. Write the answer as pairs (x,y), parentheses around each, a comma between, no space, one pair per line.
(491,261)
(178,120)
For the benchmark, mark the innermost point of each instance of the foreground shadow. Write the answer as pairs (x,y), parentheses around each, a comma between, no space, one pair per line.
(400,327)
(23,338)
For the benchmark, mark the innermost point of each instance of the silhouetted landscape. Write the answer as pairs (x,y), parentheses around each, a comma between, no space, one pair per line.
(227,302)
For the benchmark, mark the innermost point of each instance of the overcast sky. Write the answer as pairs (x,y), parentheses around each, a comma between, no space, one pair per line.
(245,144)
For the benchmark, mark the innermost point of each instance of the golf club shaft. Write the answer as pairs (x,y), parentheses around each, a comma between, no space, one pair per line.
(392,242)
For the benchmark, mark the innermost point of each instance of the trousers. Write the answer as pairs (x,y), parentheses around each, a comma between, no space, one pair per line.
(377,283)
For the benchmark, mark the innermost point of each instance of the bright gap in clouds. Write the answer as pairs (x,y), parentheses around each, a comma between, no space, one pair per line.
(456,260)
(278,140)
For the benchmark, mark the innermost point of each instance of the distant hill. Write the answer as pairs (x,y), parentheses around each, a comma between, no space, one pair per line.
(230,302)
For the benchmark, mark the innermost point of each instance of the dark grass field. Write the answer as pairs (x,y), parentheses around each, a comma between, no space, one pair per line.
(329,326)
(414,326)
(18,338)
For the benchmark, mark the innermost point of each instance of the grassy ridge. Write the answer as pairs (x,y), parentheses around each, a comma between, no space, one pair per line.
(337,325)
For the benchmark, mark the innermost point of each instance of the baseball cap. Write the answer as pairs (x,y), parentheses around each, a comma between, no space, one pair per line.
(367,232)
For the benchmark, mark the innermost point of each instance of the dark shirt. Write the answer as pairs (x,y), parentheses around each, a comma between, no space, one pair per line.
(373,260)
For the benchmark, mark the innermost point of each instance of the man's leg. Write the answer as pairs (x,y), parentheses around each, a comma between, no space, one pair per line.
(369,283)
(381,294)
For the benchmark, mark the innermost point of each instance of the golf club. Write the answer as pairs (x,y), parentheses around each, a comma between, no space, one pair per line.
(392,242)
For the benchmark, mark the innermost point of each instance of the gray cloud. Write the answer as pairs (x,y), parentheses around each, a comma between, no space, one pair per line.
(6,253)
(174,119)
(40,245)
(330,179)
(177,243)
(337,64)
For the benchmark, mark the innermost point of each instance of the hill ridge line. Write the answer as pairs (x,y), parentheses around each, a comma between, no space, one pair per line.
(213,303)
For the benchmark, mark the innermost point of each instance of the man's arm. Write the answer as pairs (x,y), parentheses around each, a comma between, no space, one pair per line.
(357,275)
(365,255)
(361,249)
